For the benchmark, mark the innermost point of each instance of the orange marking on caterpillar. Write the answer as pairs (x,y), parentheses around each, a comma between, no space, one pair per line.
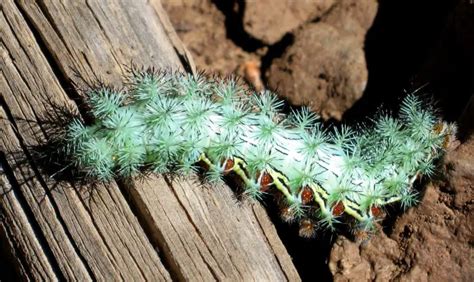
(228,165)
(376,211)
(307,195)
(338,208)
(265,181)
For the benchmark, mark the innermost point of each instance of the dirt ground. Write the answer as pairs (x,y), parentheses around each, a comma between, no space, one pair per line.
(345,58)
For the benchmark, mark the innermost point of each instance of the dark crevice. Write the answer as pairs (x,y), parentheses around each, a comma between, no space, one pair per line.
(209,268)
(125,186)
(396,50)
(29,159)
(100,233)
(42,241)
(277,259)
(234,14)
(196,228)
(184,61)
(71,89)
(9,252)
(326,13)
(309,255)
(74,94)
(190,219)
(233,11)
(275,51)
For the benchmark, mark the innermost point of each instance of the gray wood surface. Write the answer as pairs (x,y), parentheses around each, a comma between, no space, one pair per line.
(150,229)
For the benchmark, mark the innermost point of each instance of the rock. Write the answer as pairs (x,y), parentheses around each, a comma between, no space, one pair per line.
(431,242)
(324,69)
(270,20)
(354,17)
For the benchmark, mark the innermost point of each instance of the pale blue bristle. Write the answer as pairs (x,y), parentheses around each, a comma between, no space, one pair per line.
(166,121)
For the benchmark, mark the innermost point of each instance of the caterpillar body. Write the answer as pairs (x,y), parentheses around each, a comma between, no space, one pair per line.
(167,122)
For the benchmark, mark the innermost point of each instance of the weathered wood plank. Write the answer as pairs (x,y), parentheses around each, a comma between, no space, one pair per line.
(25,251)
(102,37)
(183,53)
(202,232)
(210,233)
(89,238)
(43,210)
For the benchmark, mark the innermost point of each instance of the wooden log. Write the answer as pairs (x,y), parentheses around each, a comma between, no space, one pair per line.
(100,238)
(154,229)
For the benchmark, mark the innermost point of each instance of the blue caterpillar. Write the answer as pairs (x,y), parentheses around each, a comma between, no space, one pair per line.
(171,122)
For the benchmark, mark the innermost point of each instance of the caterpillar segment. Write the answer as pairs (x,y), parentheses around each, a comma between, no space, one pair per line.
(168,122)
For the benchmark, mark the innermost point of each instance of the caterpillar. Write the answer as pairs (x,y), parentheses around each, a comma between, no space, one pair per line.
(172,122)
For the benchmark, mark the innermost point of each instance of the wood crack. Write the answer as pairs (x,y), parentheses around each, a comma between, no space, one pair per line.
(69,87)
(62,45)
(37,175)
(15,188)
(277,259)
(133,201)
(193,224)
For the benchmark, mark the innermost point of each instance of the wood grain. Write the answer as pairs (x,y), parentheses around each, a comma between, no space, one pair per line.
(153,229)
(25,251)
(98,238)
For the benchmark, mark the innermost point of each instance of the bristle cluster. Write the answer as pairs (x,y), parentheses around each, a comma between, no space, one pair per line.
(168,122)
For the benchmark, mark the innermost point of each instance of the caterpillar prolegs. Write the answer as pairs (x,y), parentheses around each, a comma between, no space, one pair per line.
(170,122)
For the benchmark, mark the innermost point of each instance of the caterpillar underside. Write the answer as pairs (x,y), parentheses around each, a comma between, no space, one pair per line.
(169,122)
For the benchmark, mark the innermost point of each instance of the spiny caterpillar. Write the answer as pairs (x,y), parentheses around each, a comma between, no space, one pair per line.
(172,122)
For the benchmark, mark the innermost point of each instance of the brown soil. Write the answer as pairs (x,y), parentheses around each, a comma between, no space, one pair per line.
(431,242)
(345,58)
(201,26)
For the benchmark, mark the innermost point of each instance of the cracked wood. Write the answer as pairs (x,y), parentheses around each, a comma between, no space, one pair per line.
(151,229)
